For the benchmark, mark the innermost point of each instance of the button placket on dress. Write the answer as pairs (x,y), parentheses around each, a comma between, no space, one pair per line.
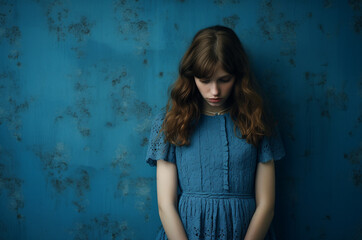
(225,148)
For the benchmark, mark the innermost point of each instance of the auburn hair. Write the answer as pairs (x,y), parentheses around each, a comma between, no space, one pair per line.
(212,45)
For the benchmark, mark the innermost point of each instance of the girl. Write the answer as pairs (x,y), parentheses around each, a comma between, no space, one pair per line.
(215,146)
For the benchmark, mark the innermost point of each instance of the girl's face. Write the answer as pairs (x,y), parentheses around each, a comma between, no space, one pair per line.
(216,90)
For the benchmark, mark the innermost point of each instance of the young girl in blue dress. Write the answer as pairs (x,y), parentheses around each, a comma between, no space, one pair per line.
(214,146)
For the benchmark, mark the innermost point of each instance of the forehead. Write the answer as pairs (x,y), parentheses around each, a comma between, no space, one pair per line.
(219,71)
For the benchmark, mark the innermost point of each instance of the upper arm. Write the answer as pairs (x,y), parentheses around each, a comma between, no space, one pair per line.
(265,185)
(166,183)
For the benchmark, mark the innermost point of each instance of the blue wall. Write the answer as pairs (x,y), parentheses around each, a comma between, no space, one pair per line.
(81,80)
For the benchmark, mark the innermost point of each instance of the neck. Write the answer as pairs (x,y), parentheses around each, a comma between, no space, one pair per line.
(214,110)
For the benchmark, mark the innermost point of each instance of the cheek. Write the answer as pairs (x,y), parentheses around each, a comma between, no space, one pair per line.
(201,88)
(229,87)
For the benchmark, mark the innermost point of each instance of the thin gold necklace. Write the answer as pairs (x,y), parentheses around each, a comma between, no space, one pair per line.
(216,113)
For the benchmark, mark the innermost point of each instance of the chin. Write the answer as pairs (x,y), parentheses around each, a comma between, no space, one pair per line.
(216,104)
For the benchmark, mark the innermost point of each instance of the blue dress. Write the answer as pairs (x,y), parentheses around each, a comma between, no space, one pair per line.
(216,175)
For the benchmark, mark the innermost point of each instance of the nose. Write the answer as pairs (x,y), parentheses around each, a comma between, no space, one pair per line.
(215,89)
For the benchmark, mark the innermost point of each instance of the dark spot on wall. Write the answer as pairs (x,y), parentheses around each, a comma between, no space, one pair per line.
(118,79)
(223,2)
(320,27)
(79,86)
(263,25)
(129,23)
(86,132)
(292,62)
(357,23)
(123,185)
(56,15)
(231,21)
(82,182)
(355,4)
(141,25)
(109,124)
(80,29)
(307,153)
(62,177)
(144,142)
(12,34)
(310,15)
(10,184)
(357,177)
(79,206)
(328,217)
(160,74)
(121,160)
(355,156)
(176,26)
(325,113)
(338,99)
(145,61)
(327,3)
(316,79)
(103,225)
(13,55)
(143,193)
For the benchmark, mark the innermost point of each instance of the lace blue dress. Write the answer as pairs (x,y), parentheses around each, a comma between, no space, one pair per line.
(216,174)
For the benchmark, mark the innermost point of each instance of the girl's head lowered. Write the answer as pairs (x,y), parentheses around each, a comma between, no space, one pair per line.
(213,49)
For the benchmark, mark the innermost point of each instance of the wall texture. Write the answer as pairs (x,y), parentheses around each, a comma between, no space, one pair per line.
(81,80)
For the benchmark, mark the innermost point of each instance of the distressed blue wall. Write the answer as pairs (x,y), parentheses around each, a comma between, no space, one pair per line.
(81,80)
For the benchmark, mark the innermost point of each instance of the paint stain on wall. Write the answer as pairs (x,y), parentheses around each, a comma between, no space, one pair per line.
(224,2)
(130,25)
(316,79)
(327,3)
(125,103)
(274,25)
(12,106)
(10,184)
(231,21)
(81,29)
(12,34)
(143,193)
(103,226)
(80,109)
(62,176)
(57,14)
(121,162)
(355,159)
(357,18)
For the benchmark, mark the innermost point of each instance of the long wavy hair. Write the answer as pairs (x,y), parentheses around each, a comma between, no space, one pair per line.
(252,119)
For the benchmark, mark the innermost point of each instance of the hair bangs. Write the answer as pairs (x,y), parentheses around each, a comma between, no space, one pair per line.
(205,65)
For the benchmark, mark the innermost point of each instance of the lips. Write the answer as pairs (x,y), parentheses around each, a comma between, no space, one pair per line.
(214,100)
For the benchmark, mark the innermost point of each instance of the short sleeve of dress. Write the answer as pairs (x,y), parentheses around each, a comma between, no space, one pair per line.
(271,147)
(157,147)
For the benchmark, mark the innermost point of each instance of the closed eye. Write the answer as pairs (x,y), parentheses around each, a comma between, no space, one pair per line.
(225,79)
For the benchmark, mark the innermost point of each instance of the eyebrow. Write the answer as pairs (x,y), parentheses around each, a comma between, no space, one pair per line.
(225,76)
